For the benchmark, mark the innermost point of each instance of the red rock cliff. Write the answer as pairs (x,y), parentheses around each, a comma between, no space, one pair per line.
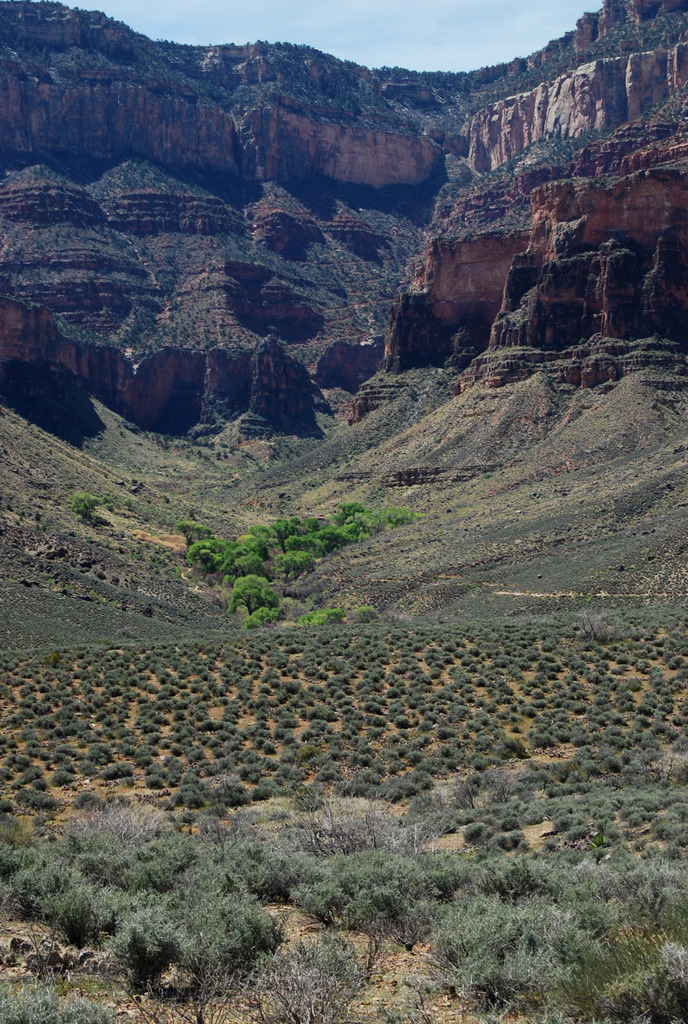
(169,392)
(108,104)
(607,260)
(452,302)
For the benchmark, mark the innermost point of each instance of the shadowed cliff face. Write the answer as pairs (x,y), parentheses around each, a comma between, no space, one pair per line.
(169,392)
(603,259)
(349,366)
(597,289)
(453,302)
(282,393)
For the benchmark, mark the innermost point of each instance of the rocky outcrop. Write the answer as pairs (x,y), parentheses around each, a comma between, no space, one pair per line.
(357,236)
(348,366)
(453,301)
(582,214)
(597,362)
(251,154)
(227,386)
(598,96)
(617,14)
(255,297)
(169,392)
(49,203)
(607,260)
(378,391)
(282,394)
(152,213)
(285,234)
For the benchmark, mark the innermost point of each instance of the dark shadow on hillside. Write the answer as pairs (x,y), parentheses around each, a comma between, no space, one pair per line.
(70,416)
(140,173)
(414,202)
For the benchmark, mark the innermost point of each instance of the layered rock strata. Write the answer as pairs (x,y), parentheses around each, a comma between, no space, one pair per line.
(606,266)
(106,106)
(453,301)
(170,392)
(599,96)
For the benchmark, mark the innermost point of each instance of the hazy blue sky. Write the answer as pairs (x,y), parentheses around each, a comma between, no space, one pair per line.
(446,35)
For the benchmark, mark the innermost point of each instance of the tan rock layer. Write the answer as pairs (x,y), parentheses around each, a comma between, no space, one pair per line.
(599,96)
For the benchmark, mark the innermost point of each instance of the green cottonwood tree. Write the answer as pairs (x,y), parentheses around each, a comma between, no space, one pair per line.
(192,532)
(253,592)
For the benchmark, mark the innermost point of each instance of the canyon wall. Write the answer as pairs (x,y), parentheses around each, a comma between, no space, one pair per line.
(348,366)
(598,96)
(109,117)
(597,289)
(605,277)
(453,300)
(105,104)
(286,144)
(169,392)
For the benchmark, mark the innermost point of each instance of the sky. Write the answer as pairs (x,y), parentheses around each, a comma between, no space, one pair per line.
(430,35)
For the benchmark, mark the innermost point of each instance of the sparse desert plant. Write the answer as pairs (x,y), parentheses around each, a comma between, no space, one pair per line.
(633,975)
(44,1006)
(223,938)
(495,954)
(145,944)
(79,912)
(192,531)
(343,826)
(84,505)
(593,624)
(309,984)
(130,826)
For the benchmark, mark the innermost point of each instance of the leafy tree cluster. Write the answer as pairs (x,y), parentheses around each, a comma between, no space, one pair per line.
(285,550)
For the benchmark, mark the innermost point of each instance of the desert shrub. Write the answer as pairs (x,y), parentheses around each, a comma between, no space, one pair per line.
(321,617)
(515,880)
(62,777)
(130,826)
(344,826)
(36,800)
(145,944)
(223,937)
(43,1006)
(373,892)
(39,879)
(308,984)
(635,975)
(84,505)
(365,613)
(117,770)
(496,954)
(80,912)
